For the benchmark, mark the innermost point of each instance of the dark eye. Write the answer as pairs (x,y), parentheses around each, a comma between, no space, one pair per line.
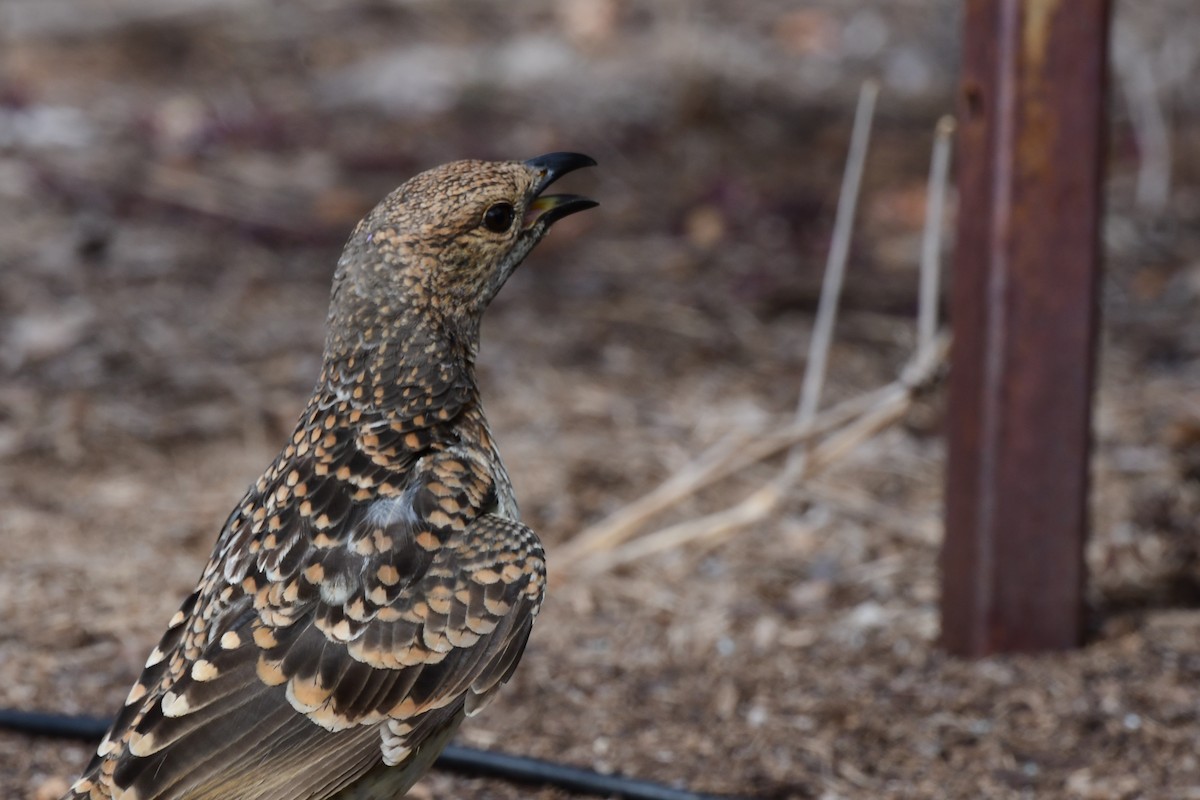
(499,217)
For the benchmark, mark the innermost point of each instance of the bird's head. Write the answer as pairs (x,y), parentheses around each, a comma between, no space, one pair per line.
(439,248)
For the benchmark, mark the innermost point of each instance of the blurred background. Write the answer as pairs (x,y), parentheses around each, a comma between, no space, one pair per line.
(176,180)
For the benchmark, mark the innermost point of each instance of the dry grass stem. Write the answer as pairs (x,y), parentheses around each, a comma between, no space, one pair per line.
(608,544)
(931,236)
(1140,87)
(733,453)
(835,264)
(889,405)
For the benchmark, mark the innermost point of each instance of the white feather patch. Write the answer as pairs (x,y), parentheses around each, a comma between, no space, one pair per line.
(394,745)
(106,746)
(141,744)
(203,670)
(136,693)
(175,705)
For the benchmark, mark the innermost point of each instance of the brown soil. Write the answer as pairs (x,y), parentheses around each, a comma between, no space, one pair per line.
(175,182)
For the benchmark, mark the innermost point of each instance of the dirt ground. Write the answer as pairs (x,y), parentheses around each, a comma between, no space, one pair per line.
(176,179)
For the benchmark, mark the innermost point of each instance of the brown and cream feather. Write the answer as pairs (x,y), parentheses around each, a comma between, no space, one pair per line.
(376,584)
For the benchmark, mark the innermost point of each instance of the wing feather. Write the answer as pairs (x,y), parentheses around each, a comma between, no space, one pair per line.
(346,631)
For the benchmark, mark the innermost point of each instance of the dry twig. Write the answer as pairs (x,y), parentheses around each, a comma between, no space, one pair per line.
(814,440)
(732,454)
(931,236)
(1140,87)
(890,404)
(839,253)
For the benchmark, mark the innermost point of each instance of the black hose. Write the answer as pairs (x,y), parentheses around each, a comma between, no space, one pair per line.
(455,758)
(61,726)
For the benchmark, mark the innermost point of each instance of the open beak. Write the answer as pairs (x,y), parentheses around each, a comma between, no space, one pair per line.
(548,209)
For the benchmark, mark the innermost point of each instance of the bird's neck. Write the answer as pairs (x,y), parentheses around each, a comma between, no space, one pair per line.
(406,365)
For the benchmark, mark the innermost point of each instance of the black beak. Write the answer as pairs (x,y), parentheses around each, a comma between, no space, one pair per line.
(548,209)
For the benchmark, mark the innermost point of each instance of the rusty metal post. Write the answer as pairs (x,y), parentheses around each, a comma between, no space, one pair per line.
(1024,313)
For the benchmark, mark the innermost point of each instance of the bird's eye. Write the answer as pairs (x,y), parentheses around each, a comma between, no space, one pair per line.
(499,217)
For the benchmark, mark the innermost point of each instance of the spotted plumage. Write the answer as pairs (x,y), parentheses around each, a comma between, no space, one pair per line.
(376,584)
